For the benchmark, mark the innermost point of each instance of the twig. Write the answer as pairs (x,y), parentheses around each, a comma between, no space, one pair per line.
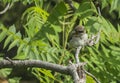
(97,81)
(81,72)
(99,12)
(98,37)
(94,39)
(7,58)
(6,8)
(74,72)
(77,54)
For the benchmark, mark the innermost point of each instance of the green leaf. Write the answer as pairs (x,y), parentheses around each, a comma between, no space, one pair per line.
(18,34)
(27,50)
(115,5)
(92,52)
(35,50)
(13,44)
(35,18)
(47,73)
(3,35)
(15,80)
(20,48)
(49,58)
(104,3)
(59,10)
(43,56)
(90,80)
(20,56)
(31,55)
(85,9)
(35,10)
(115,53)
(12,29)
(105,51)
(7,41)
(84,59)
(5,72)
(115,48)
(56,28)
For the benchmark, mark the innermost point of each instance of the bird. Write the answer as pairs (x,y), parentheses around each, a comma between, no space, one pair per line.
(79,37)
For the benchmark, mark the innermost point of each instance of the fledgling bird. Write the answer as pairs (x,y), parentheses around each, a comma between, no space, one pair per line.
(79,37)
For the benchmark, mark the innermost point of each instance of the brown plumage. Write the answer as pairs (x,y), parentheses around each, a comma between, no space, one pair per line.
(78,37)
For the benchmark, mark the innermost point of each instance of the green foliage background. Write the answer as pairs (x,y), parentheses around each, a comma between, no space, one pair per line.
(39,29)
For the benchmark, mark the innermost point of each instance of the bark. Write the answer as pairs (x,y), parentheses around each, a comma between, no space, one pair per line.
(68,70)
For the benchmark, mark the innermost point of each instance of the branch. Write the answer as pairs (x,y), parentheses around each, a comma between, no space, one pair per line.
(69,70)
(77,54)
(98,37)
(34,63)
(6,8)
(74,72)
(97,81)
(94,39)
(80,74)
(99,12)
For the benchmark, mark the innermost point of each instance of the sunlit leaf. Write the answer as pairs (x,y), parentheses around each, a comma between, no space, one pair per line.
(2,35)
(20,48)
(85,9)
(20,56)
(105,51)
(13,44)
(115,48)
(90,80)
(27,51)
(115,6)
(12,29)
(36,52)
(59,10)
(84,59)
(47,73)
(7,41)
(18,34)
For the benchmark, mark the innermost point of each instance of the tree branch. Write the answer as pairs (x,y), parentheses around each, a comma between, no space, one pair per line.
(80,74)
(74,72)
(34,63)
(6,8)
(9,5)
(97,81)
(94,39)
(77,54)
(69,70)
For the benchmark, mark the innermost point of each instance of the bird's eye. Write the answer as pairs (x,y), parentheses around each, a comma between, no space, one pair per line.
(80,31)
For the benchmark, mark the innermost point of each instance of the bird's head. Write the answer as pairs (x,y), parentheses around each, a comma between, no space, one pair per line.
(79,29)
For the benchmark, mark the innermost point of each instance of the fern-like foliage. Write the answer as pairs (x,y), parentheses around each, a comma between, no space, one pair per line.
(46,38)
(103,58)
(35,44)
(31,45)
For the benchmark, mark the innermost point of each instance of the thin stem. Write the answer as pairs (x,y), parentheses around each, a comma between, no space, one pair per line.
(98,37)
(6,8)
(97,81)
(99,12)
(63,42)
(77,54)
